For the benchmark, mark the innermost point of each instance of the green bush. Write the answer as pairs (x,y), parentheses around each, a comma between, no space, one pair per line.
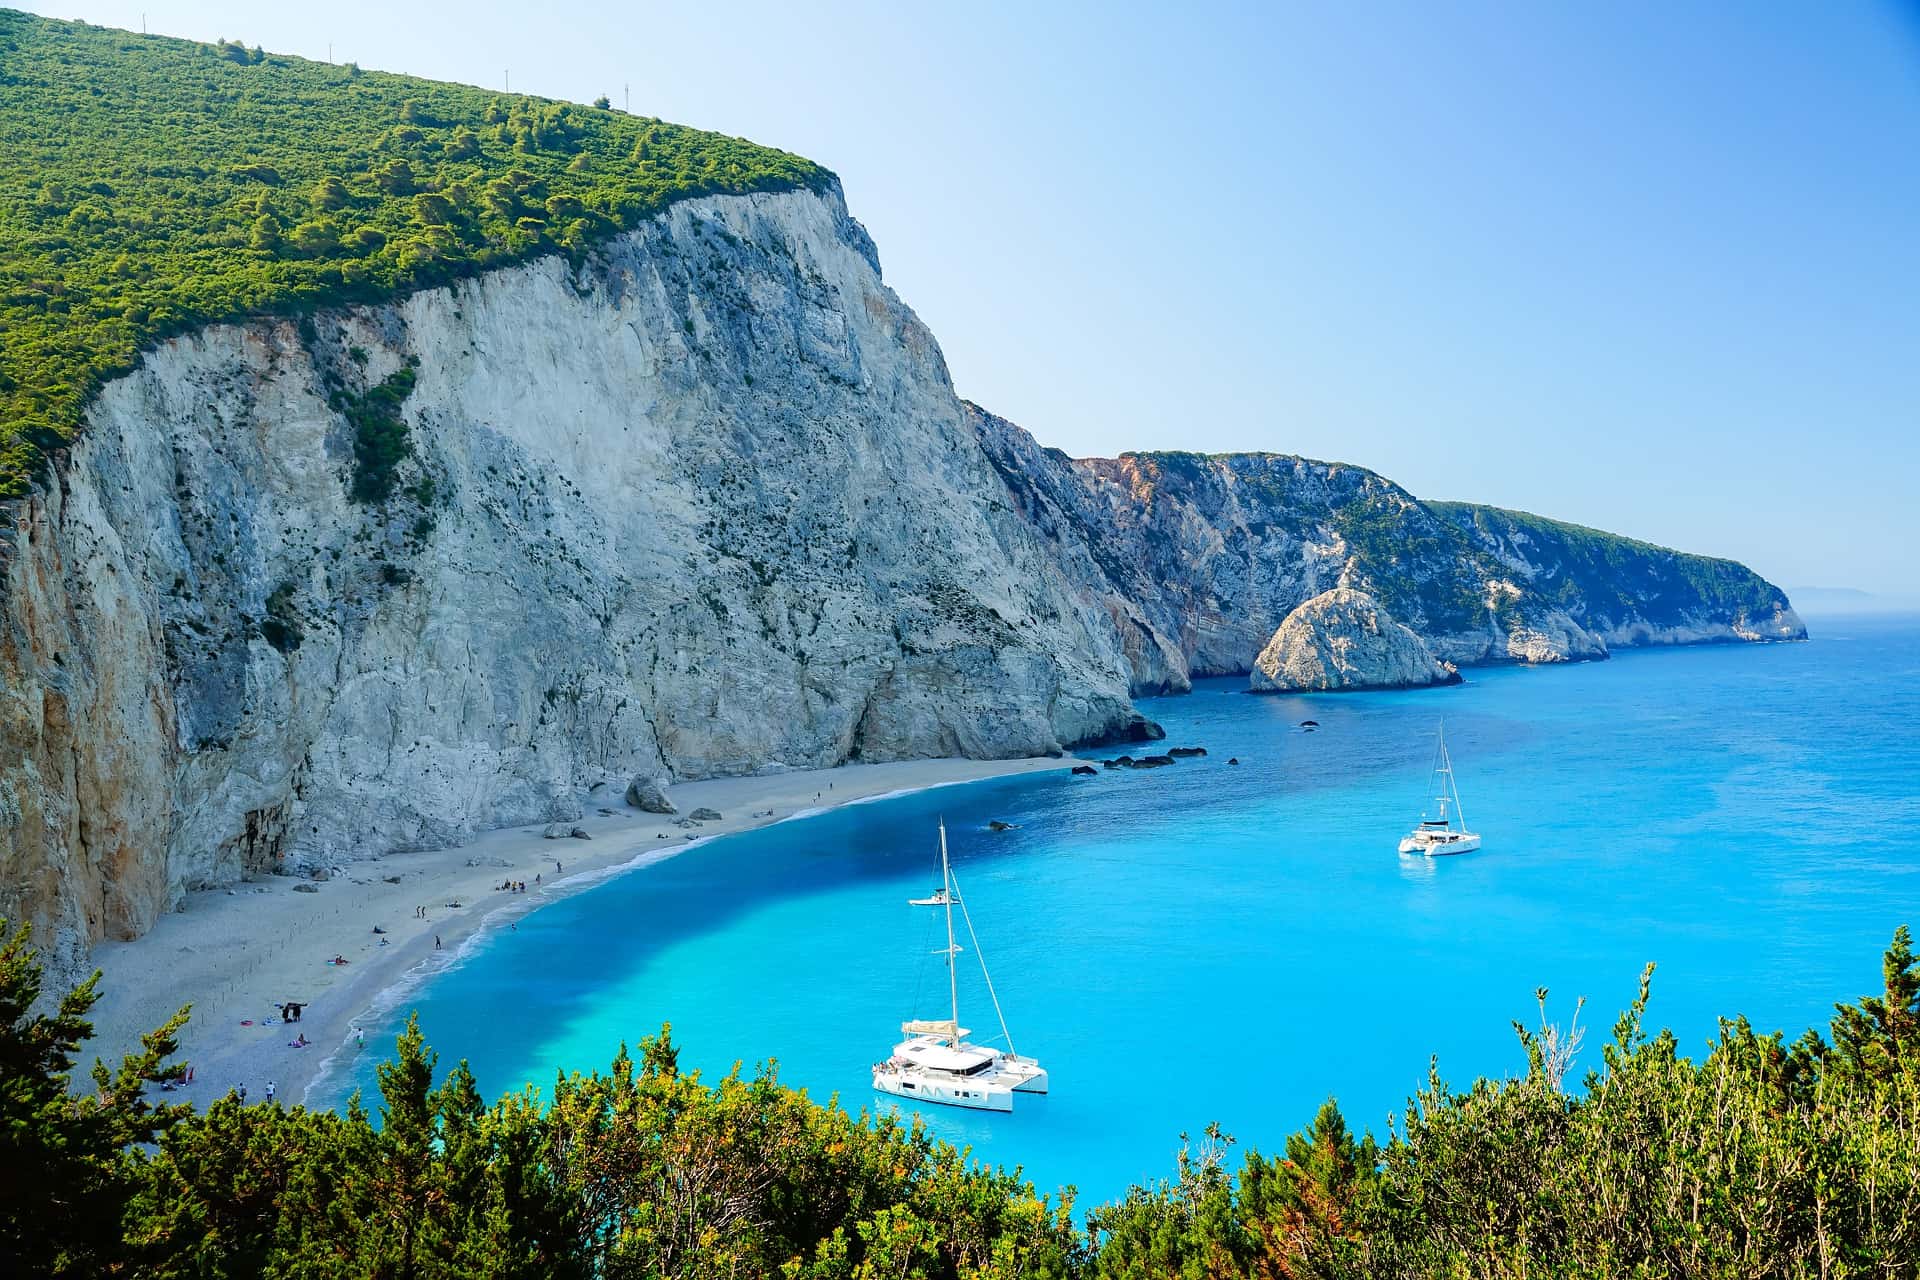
(1761,1159)
(151,185)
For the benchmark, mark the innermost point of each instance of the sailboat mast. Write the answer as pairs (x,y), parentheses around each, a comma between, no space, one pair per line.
(1453,785)
(953,972)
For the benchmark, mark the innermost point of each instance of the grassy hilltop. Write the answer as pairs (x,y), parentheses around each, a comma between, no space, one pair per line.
(151,185)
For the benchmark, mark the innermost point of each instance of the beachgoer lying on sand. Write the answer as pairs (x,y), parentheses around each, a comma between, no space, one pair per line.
(378,929)
(339,960)
(300,1043)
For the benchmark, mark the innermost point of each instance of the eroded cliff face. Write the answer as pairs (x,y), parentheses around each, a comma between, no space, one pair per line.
(705,505)
(311,590)
(1200,558)
(1342,639)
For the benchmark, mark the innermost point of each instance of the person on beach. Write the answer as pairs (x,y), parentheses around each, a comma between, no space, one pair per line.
(359,1038)
(436,942)
(269,1091)
(243,1095)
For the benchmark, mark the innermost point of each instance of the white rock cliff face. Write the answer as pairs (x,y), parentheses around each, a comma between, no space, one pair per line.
(1199,558)
(707,505)
(1343,639)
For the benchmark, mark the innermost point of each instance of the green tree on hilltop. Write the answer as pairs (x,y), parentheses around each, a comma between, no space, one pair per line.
(125,147)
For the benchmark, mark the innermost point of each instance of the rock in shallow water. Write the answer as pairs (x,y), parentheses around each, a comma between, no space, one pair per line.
(1343,639)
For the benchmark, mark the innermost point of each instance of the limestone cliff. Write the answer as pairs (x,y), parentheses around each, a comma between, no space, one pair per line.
(1342,639)
(1199,558)
(705,502)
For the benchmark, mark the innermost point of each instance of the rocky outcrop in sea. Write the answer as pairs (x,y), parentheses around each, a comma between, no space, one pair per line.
(1342,639)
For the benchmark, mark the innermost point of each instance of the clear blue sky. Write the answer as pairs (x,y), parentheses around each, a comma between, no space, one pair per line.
(1646,266)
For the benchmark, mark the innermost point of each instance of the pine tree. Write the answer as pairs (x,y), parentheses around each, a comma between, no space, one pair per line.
(67,1174)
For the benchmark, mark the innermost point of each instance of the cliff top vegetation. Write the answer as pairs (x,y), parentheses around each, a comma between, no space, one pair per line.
(1601,566)
(150,185)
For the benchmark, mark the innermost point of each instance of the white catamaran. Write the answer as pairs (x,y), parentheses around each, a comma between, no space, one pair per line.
(1448,832)
(935,1063)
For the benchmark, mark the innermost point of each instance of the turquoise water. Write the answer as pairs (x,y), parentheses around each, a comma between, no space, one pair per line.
(1208,942)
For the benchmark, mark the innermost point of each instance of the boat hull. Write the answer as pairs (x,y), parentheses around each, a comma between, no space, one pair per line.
(1025,1075)
(925,1087)
(1414,845)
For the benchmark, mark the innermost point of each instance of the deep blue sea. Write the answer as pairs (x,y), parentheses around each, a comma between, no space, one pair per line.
(1217,943)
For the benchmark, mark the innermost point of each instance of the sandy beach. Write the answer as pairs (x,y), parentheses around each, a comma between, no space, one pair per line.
(238,954)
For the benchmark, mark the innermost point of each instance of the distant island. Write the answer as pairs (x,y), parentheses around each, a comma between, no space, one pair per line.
(1843,600)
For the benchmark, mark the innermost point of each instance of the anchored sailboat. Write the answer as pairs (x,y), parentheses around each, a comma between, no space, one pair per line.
(936,1063)
(1448,832)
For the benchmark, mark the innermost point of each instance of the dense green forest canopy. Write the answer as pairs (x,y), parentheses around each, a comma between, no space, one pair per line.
(150,185)
(1761,1158)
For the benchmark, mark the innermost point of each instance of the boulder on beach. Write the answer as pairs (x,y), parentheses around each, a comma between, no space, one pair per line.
(704,814)
(649,794)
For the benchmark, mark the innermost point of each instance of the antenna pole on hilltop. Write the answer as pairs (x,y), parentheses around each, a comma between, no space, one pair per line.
(509,75)
(626,98)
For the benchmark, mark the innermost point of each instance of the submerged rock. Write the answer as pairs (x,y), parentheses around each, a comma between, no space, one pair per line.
(1186,753)
(1084,771)
(1343,639)
(997,825)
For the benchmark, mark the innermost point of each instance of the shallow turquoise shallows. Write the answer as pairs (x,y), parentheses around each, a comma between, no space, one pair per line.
(1209,942)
